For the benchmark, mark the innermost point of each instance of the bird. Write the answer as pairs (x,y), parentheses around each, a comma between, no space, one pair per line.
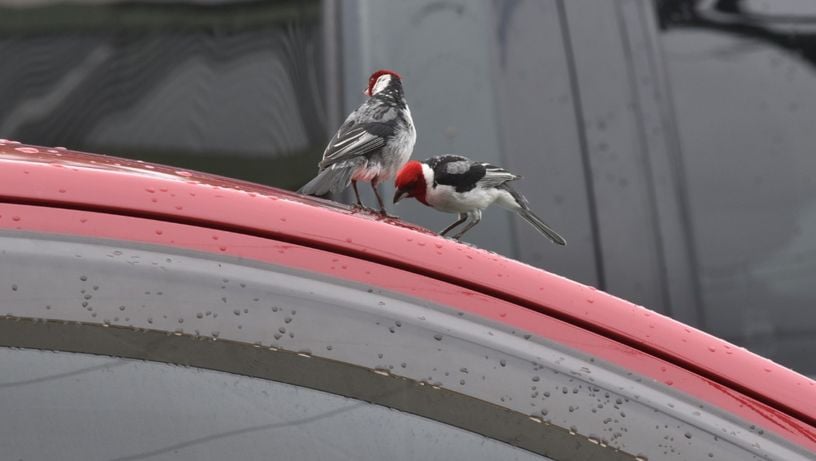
(456,184)
(373,143)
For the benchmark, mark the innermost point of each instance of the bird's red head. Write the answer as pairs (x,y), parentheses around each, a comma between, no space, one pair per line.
(372,81)
(411,182)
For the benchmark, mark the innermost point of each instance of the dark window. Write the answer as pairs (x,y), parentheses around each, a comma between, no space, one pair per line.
(76,407)
(744,83)
(230,87)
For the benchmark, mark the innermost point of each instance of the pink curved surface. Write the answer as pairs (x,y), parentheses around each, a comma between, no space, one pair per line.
(32,178)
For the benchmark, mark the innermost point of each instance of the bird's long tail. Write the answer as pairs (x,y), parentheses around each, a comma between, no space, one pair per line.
(541,226)
(519,205)
(328,180)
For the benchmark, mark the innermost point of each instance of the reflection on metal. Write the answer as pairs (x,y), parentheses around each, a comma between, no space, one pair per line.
(795,33)
(314,372)
(52,16)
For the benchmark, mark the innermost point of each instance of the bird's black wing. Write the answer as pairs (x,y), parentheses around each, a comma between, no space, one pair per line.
(456,171)
(356,140)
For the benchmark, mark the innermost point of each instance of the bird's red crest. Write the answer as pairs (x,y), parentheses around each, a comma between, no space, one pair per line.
(409,174)
(376,75)
(411,180)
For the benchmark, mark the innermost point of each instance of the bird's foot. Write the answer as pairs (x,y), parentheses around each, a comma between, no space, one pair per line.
(386,215)
(361,207)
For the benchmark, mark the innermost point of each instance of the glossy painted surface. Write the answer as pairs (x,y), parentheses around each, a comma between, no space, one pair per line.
(607,327)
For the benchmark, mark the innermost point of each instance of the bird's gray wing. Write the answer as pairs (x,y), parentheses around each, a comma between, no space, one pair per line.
(496,176)
(356,140)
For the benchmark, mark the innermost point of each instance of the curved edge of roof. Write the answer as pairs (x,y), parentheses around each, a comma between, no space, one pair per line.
(62,178)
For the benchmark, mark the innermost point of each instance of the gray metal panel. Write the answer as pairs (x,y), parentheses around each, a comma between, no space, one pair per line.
(626,221)
(662,160)
(232,315)
(539,136)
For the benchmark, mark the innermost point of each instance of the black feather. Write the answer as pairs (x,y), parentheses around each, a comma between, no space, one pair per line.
(463,178)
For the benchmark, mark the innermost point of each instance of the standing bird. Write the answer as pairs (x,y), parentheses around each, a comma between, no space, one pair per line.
(373,143)
(456,184)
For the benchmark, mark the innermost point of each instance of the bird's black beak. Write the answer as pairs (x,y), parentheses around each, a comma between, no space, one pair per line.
(398,195)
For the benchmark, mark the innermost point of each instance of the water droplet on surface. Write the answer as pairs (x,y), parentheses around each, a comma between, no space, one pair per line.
(27,150)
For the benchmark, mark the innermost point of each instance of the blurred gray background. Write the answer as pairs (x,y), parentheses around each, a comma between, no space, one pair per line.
(671,142)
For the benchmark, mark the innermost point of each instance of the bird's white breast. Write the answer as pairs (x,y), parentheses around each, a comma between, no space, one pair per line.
(445,198)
